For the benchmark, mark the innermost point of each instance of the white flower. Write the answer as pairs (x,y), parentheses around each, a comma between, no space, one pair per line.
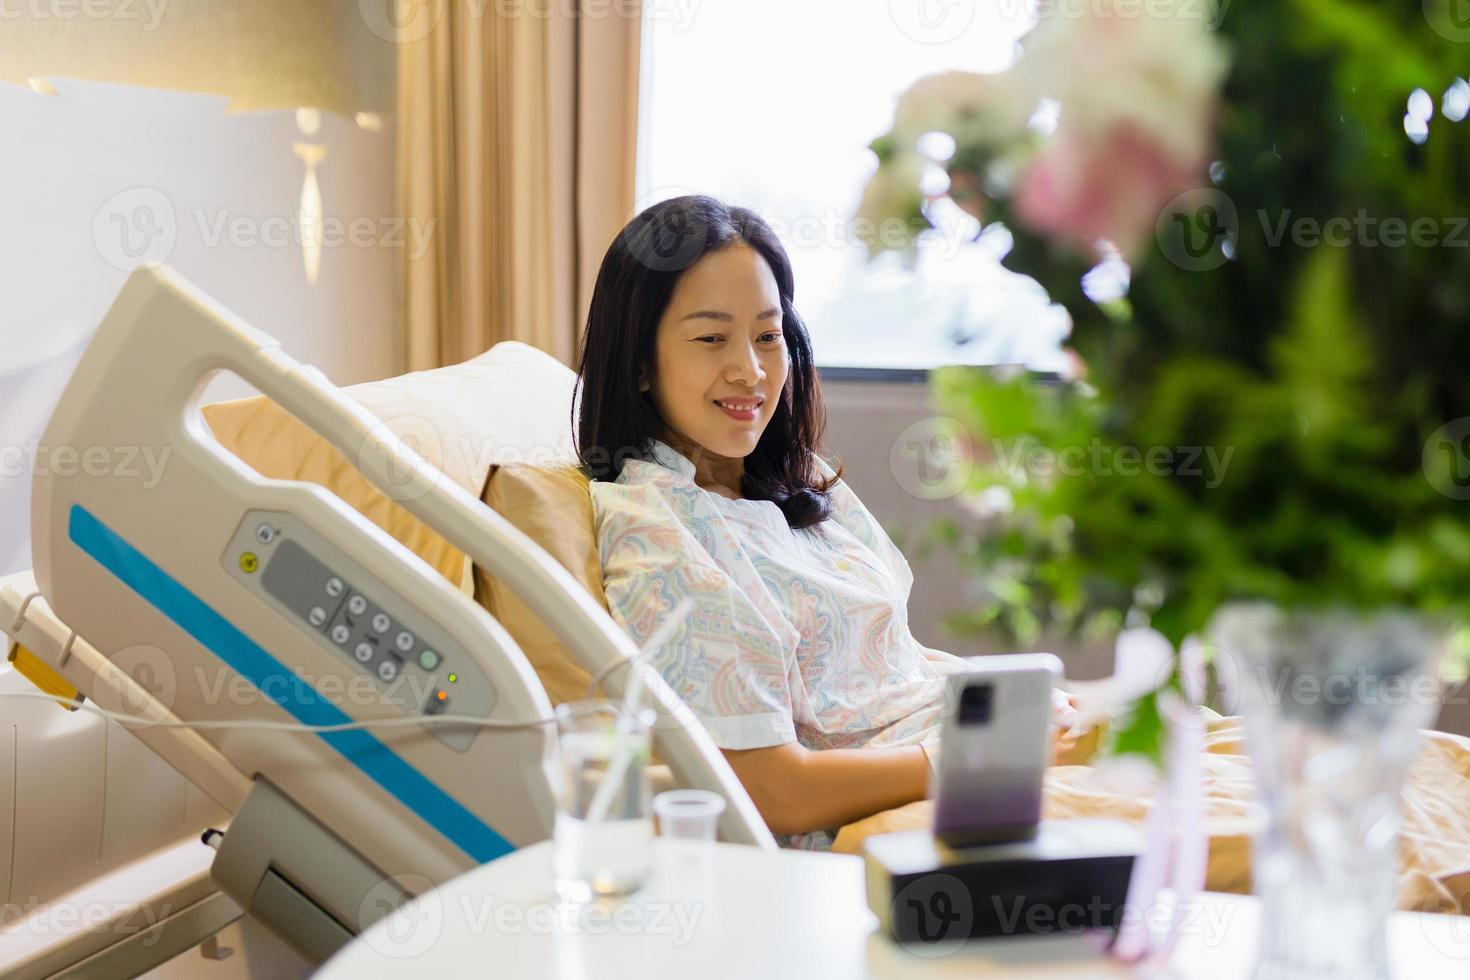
(1115,62)
(1143,659)
(891,201)
(970,106)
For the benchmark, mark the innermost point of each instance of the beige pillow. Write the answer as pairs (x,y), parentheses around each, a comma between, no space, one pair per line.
(511,403)
(552,506)
(480,422)
(275,445)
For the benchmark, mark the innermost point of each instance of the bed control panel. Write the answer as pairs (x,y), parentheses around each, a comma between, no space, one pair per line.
(403,656)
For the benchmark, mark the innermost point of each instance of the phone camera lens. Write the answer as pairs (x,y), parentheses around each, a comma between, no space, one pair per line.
(975,704)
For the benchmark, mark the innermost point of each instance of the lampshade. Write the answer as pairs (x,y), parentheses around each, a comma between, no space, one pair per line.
(261,54)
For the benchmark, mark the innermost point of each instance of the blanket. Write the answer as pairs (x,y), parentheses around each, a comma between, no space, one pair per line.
(1434,845)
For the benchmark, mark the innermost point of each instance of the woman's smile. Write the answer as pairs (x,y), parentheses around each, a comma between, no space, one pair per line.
(741,409)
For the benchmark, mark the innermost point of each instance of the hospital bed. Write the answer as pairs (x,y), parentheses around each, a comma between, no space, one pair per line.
(359,728)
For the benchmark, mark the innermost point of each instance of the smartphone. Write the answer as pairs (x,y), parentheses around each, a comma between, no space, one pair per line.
(994,749)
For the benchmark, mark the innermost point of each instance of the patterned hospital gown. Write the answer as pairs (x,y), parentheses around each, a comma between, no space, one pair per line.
(796,635)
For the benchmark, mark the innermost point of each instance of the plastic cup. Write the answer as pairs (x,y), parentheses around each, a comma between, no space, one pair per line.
(688,814)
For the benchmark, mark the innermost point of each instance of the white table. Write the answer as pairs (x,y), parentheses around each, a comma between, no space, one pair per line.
(744,912)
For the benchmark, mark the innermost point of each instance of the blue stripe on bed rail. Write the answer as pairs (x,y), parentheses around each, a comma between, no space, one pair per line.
(381,764)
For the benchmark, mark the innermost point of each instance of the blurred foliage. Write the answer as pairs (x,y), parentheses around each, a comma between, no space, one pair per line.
(1286,397)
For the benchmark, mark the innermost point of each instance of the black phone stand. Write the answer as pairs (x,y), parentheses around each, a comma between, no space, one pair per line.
(1072,877)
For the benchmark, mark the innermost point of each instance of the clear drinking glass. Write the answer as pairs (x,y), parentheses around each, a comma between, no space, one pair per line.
(606,854)
(1333,702)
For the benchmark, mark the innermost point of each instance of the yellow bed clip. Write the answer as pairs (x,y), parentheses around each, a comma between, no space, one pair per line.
(41,674)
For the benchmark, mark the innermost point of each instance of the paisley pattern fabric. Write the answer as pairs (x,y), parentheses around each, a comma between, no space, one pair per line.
(796,635)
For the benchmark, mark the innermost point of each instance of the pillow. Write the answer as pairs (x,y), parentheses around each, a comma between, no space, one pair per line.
(552,506)
(277,446)
(511,403)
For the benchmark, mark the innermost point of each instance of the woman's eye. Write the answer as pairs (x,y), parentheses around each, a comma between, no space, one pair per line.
(770,337)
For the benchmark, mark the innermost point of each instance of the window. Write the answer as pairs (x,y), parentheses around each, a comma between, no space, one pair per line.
(771,104)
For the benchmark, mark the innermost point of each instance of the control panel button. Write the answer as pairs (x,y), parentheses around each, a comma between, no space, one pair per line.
(375,629)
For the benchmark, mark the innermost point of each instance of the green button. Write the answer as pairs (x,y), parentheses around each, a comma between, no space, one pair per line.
(428,660)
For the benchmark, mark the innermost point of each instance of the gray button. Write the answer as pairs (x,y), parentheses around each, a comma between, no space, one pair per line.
(388,669)
(334,586)
(317,616)
(404,641)
(357,605)
(381,623)
(364,652)
(340,633)
(265,534)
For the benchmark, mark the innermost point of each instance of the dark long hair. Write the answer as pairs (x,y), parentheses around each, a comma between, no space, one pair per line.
(614,420)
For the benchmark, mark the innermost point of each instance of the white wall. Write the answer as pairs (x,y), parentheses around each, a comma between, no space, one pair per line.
(205,191)
(868,421)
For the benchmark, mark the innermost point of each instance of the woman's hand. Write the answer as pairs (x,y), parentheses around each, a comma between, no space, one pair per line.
(1063,708)
(1063,736)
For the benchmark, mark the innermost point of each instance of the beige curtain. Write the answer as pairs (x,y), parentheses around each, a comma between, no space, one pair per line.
(517,129)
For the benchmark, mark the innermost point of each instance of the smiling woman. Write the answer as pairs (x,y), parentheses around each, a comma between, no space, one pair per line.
(700,423)
(729,353)
(693,339)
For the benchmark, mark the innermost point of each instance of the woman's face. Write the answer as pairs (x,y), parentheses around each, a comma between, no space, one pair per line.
(720,341)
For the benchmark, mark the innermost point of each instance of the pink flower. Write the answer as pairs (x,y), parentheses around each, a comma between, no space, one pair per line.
(1083,188)
(1107,115)
(1137,90)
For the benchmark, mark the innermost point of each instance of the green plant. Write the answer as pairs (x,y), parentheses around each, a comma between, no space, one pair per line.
(1328,376)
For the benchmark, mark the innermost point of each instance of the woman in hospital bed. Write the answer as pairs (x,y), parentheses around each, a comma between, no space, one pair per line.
(700,420)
